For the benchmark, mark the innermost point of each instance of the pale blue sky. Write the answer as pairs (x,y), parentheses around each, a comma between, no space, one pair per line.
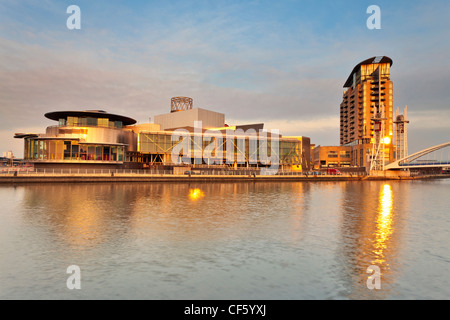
(279,62)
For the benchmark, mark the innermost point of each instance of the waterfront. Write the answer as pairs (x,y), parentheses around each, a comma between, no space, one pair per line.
(289,240)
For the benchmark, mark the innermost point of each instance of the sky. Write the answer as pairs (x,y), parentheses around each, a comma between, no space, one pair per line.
(283,63)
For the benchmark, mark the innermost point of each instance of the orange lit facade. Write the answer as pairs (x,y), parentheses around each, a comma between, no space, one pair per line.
(331,156)
(368,93)
(369,90)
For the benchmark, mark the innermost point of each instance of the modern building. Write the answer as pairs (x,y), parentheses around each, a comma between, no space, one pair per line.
(92,137)
(332,156)
(185,136)
(367,110)
(366,118)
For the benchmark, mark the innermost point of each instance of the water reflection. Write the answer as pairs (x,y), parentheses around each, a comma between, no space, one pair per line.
(271,240)
(80,216)
(196,194)
(383,226)
(85,216)
(370,233)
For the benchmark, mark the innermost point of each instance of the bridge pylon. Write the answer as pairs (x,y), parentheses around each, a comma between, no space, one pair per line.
(401,134)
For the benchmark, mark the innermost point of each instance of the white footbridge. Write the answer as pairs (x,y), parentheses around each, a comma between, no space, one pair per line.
(434,157)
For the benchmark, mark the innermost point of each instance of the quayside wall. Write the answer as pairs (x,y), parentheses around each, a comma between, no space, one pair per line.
(116,178)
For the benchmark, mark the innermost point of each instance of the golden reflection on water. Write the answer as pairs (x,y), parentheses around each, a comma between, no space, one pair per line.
(196,194)
(383,224)
(82,224)
(371,233)
(364,230)
(78,215)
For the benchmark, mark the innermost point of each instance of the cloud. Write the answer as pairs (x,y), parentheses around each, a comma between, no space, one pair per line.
(429,119)
(251,61)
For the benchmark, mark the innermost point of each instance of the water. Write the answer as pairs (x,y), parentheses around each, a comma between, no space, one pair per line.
(226,240)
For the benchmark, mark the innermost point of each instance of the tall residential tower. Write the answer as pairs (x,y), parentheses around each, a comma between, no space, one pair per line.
(366,100)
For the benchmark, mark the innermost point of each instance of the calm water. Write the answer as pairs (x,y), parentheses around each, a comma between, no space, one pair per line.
(226,241)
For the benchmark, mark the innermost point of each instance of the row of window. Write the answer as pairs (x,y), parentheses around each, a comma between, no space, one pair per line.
(342,154)
(71,150)
(88,121)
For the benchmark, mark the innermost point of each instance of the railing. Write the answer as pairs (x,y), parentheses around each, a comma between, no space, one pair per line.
(431,163)
(150,172)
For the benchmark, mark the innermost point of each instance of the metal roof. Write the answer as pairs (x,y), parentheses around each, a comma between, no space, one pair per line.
(373,60)
(91,114)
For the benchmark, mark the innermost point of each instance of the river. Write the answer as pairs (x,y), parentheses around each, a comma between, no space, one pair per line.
(305,240)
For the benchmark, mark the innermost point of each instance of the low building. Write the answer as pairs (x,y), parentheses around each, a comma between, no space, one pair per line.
(332,156)
(88,138)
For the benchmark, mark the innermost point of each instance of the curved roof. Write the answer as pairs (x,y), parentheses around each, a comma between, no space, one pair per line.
(25,135)
(373,60)
(91,114)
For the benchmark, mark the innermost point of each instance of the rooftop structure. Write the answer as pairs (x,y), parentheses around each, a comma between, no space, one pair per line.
(90,117)
(181,104)
(365,69)
(187,118)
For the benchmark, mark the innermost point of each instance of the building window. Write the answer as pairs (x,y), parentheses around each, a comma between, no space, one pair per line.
(106,153)
(98,153)
(67,150)
(75,151)
(102,122)
(332,154)
(48,150)
(113,153)
(332,164)
(83,153)
(91,121)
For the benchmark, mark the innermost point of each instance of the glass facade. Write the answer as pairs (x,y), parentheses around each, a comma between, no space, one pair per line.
(88,121)
(71,150)
(74,140)
(245,149)
(88,138)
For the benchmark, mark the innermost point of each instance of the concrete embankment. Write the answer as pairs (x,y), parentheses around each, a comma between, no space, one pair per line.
(91,178)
